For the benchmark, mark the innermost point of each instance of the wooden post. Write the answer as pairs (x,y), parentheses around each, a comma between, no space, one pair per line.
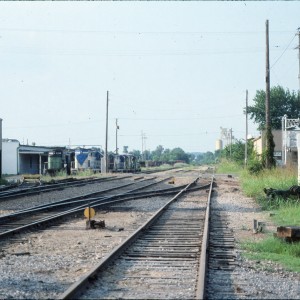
(267,104)
(298,149)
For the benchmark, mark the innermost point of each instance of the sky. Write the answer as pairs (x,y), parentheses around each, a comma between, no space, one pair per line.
(175,72)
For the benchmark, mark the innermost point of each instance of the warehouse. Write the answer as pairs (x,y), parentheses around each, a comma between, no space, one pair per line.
(23,159)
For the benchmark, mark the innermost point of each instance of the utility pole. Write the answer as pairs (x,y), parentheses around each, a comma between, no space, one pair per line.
(246,138)
(117,128)
(142,145)
(0,148)
(267,103)
(106,135)
(299,60)
(230,138)
(143,138)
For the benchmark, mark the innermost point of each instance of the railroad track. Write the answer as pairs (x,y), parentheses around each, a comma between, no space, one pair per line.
(159,260)
(43,215)
(33,190)
(221,259)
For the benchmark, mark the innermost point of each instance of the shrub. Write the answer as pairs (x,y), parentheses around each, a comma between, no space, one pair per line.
(3,181)
(254,167)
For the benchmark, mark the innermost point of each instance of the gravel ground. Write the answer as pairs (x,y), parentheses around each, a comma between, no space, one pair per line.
(11,205)
(43,264)
(252,279)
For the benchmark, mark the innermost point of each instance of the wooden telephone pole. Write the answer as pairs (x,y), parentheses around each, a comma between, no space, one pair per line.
(246,137)
(269,137)
(299,61)
(106,135)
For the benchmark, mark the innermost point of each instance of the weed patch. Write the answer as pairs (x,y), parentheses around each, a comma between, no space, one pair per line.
(274,249)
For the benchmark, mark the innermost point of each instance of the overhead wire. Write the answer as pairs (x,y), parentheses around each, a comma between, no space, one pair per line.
(283,52)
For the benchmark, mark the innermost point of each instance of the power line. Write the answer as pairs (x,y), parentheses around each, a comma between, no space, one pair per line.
(283,52)
(134,32)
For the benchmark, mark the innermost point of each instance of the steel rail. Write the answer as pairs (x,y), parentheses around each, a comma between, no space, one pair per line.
(94,203)
(201,282)
(50,187)
(66,200)
(71,292)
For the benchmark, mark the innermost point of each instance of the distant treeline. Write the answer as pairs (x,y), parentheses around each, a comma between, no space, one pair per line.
(160,154)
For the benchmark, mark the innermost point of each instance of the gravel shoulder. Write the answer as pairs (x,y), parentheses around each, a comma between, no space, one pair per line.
(252,279)
(43,264)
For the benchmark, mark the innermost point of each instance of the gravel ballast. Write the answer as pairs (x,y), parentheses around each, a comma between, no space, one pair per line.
(43,264)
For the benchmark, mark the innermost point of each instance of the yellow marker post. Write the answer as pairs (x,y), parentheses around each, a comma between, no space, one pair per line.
(89,212)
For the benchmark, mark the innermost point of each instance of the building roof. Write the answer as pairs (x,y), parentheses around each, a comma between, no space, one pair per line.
(27,149)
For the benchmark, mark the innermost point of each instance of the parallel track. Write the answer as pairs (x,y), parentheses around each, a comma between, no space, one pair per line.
(160,260)
(33,190)
(44,215)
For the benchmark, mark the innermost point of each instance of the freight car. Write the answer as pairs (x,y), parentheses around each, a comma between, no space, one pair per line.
(126,163)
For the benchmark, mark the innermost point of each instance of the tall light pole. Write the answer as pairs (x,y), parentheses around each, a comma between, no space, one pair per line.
(143,138)
(117,128)
(246,138)
(269,137)
(299,61)
(106,135)
(230,139)
(0,148)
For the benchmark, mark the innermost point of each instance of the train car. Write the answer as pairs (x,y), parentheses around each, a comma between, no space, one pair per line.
(111,163)
(124,163)
(55,162)
(59,160)
(135,164)
(87,159)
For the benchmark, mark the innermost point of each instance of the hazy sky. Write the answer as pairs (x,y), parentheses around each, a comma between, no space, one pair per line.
(177,71)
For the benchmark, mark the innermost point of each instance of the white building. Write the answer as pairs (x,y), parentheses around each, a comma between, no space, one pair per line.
(10,156)
(23,159)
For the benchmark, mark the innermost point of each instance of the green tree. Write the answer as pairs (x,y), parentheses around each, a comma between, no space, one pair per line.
(237,152)
(157,153)
(209,157)
(136,153)
(179,154)
(205,158)
(281,102)
(147,155)
(166,155)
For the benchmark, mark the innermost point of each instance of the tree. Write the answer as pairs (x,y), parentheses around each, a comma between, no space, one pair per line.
(281,102)
(179,154)
(157,153)
(166,155)
(136,153)
(125,149)
(147,155)
(205,158)
(237,152)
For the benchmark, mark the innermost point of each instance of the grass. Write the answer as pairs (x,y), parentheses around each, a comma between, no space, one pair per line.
(158,168)
(229,167)
(278,178)
(3,181)
(63,175)
(286,212)
(276,250)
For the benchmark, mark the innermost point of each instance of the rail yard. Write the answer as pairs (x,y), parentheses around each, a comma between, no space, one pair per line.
(166,235)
